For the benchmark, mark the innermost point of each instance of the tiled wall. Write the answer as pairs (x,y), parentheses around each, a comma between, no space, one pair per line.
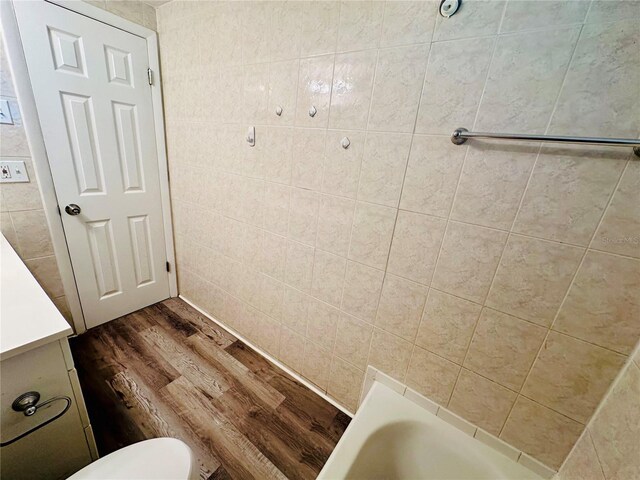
(500,280)
(133,10)
(609,448)
(22,218)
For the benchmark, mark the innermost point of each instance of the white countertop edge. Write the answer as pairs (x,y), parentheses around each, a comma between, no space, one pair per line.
(22,297)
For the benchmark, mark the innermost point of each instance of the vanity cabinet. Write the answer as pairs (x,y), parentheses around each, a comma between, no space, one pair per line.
(35,356)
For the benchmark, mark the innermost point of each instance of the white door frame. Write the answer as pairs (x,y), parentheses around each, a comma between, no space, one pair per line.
(31,121)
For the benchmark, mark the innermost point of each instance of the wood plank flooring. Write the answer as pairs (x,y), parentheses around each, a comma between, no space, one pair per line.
(166,370)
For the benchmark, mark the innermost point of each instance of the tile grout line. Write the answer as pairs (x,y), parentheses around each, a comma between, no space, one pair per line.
(455,193)
(361,370)
(557,314)
(397,214)
(522,197)
(400,276)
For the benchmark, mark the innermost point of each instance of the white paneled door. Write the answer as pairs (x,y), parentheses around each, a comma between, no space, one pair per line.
(92,93)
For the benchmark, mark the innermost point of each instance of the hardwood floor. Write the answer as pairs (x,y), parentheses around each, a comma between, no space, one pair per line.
(167,371)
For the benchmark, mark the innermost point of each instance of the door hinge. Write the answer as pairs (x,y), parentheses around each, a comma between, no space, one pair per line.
(150,76)
(168,267)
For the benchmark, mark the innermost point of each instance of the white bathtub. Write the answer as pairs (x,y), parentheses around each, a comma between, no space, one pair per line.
(393,438)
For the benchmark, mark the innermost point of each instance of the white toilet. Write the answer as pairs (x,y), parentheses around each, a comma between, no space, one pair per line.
(155,459)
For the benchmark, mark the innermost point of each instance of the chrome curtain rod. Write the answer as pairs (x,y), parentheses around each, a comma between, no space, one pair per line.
(461,135)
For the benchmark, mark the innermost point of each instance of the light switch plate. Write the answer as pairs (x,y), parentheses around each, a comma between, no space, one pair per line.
(5,113)
(13,171)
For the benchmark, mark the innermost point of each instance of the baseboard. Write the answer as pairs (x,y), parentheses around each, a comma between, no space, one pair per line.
(269,358)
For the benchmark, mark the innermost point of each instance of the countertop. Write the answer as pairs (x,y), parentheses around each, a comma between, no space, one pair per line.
(28,319)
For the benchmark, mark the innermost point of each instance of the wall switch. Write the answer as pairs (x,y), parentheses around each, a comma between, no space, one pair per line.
(13,171)
(5,113)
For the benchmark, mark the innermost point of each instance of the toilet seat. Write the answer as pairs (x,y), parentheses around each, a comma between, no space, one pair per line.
(155,459)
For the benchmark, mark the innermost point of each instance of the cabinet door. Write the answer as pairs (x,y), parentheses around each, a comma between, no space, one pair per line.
(56,450)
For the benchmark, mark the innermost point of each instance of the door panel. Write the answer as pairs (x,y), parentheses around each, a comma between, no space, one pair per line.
(104,261)
(129,148)
(94,104)
(79,121)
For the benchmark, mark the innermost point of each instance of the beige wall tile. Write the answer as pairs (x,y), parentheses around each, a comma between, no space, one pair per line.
(352,87)
(131,10)
(371,234)
(314,90)
(14,141)
(291,349)
(308,158)
(618,231)
(571,376)
(317,364)
(568,191)
(583,461)
(276,208)
(62,305)
(530,14)
(33,233)
(604,54)
(383,167)
(274,255)
(345,382)
(447,325)
(616,428)
(533,277)
(6,83)
(283,89)
(271,296)
(353,340)
(540,432)
(452,90)
(389,354)
(600,11)
(359,25)
(492,183)
(45,269)
(503,348)
(603,305)
(303,216)
(415,246)
(256,20)
(521,99)
(432,175)
(481,18)
(397,88)
(431,375)
(328,277)
(408,22)
(295,310)
(231,101)
(285,32)
(362,287)
(322,324)
(299,267)
(401,305)
(6,226)
(342,166)
(481,401)
(319,27)
(256,93)
(468,260)
(267,333)
(277,158)
(334,224)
